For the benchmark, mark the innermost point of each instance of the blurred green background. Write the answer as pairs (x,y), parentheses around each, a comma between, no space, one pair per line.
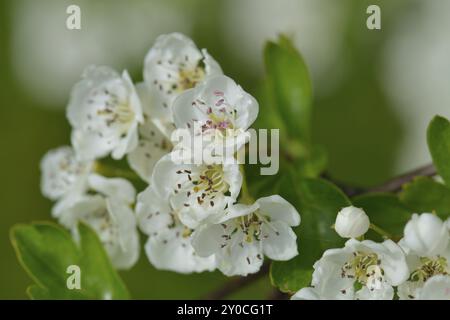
(375,91)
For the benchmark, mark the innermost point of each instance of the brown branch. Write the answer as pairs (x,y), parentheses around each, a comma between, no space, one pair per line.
(395,185)
(392,185)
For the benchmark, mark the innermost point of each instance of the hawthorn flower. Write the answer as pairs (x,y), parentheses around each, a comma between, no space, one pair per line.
(152,146)
(363,270)
(198,193)
(107,209)
(219,111)
(426,234)
(104,111)
(351,222)
(240,239)
(169,244)
(173,65)
(62,174)
(426,243)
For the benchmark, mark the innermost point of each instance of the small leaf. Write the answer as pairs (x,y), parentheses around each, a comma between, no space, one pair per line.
(439,144)
(385,211)
(289,87)
(424,194)
(45,250)
(318,202)
(289,279)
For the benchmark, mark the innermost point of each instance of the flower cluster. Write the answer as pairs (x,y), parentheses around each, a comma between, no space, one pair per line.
(417,267)
(197,216)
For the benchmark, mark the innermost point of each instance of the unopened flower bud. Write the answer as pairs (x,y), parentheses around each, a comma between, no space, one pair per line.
(351,222)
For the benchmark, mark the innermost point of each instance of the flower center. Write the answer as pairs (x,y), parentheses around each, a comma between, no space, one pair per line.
(204,186)
(211,180)
(69,171)
(221,115)
(107,230)
(251,225)
(110,109)
(188,78)
(364,268)
(430,267)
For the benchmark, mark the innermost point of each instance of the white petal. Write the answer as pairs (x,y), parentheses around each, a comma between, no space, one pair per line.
(126,144)
(133,99)
(167,251)
(207,239)
(426,234)
(238,210)
(327,278)
(385,292)
(233,177)
(165,177)
(125,253)
(393,262)
(278,208)
(153,212)
(241,260)
(409,290)
(152,147)
(279,241)
(116,188)
(436,288)
(193,216)
(212,68)
(306,294)
(89,146)
(70,210)
(184,113)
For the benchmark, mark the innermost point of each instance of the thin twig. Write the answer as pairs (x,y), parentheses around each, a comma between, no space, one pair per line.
(396,184)
(392,185)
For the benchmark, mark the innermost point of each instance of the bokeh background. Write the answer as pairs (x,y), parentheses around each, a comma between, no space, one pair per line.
(375,91)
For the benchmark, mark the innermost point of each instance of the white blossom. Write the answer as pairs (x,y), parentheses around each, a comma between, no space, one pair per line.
(173,65)
(197,192)
(62,175)
(351,222)
(107,209)
(426,243)
(169,243)
(240,240)
(219,111)
(361,270)
(426,234)
(104,111)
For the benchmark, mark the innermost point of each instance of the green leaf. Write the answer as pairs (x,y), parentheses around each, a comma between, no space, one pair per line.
(439,144)
(424,194)
(318,202)
(289,87)
(289,278)
(385,211)
(314,163)
(45,250)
